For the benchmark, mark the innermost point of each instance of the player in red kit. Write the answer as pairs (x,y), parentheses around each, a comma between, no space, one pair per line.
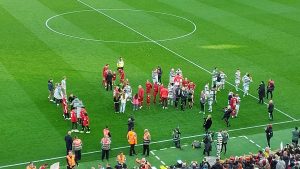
(104,73)
(74,120)
(65,108)
(177,79)
(191,86)
(148,100)
(141,96)
(148,87)
(164,92)
(122,75)
(160,89)
(80,120)
(185,82)
(86,123)
(155,91)
(233,102)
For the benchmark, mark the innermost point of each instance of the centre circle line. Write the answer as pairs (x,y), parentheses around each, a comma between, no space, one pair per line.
(116,41)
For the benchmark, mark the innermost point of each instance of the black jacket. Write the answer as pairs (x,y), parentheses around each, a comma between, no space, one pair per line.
(69,141)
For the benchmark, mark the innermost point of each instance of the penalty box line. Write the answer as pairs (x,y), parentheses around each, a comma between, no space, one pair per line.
(175,53)
(155,142)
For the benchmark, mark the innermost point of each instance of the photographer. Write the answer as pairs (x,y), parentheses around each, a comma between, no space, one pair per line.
(176,137)
(207,140)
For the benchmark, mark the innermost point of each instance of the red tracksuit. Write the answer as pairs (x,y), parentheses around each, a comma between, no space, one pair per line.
(155,91)
(148,87)
(141,96)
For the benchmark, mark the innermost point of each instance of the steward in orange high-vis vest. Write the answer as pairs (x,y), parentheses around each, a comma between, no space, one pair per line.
(132,140)
(70,160)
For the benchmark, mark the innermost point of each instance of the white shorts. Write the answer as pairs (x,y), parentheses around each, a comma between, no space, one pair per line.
(237,82)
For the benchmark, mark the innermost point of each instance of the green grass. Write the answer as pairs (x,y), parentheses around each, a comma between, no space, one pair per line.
(266,34)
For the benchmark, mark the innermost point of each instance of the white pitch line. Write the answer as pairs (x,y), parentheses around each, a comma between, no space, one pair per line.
(157,43)
(155,142)
(163,162)
(157,158)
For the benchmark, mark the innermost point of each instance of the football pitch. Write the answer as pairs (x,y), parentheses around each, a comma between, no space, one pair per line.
(43,39)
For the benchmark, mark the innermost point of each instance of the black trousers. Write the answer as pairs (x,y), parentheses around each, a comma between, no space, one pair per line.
(105,154)
(117,107)
(77,156)
(271,93)
(271,115)
(225,147)
(261,100)
(176,102)
(131,150)
(146,150)
(268,141)
(201,107)
(177,144)
(295,142)
(183,104)
(109,84)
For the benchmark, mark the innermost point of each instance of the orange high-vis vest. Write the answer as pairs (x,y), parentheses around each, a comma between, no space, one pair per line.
(71,160)
(131,136)
(121,159)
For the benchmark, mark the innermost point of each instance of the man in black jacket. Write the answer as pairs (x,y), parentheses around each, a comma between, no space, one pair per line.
(261,92)
(269,133)
(183,98)
(109,78)
(178,92)
(69,141)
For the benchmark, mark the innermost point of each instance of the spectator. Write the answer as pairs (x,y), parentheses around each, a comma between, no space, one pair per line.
(44,166)
(207,123)
(295,136)
(121,159)
(120,64)
(31,166)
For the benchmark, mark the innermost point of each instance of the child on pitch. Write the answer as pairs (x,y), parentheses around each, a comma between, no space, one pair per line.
(171,94)
(86,123)
(190,98)
(123,101)
(141,96)
(237,79)
(128,91)
(135,102)
(117,103)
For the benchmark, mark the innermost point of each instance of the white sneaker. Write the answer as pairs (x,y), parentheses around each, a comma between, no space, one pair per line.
(81,132)
(166,107)
(51,100)
(88,132)
(76,131)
